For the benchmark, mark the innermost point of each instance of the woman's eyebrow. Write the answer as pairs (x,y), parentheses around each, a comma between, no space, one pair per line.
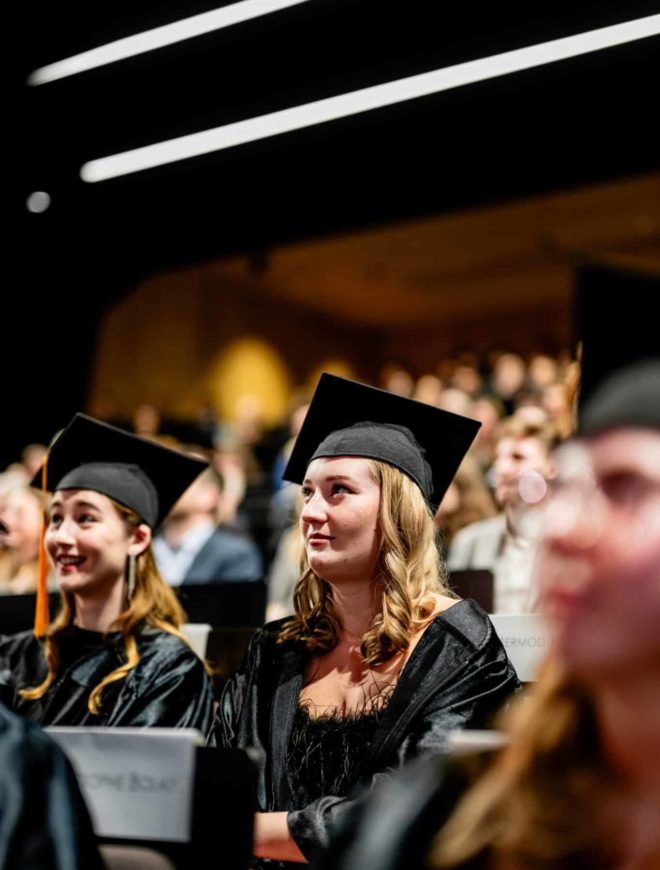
(331,478)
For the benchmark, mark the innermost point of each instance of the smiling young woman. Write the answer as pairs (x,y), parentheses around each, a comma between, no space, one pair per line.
(114,654)
(379,661)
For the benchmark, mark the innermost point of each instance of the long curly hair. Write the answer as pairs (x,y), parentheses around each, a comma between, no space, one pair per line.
(153,603)
(536,806)
(409,571)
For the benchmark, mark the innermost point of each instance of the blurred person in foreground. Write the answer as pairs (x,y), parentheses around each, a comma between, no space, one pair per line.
(44,823)
(579,784)
(574,780)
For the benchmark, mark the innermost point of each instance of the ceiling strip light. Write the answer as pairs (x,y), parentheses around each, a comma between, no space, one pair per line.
(364,100)
(159,37)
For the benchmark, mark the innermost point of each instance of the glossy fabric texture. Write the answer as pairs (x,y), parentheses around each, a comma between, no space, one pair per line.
(168,688)
(457,676)
(393,827)
(44,824)
(326,752)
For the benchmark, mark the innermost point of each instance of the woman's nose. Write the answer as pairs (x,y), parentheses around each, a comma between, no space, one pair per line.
(60,534)
(314,509)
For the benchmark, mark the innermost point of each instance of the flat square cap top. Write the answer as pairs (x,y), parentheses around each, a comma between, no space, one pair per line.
(142,475)
(346,418)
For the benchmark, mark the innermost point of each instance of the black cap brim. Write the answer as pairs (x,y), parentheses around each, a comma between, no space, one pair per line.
(339,403)
(87,441)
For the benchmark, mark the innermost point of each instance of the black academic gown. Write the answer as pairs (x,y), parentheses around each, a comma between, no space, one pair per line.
(168,688)
(457,676)
(44,824)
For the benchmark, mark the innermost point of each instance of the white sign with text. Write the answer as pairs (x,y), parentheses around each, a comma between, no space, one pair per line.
(137,782)
(526,641)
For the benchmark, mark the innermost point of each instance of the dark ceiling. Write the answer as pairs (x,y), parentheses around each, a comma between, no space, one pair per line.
(567,124)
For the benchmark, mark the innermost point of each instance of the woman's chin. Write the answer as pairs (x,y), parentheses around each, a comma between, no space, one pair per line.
(72,583)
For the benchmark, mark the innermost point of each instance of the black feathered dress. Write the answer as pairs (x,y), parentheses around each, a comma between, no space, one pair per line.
(457,676)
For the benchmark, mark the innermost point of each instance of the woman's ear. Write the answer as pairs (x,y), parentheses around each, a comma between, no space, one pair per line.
(140,540)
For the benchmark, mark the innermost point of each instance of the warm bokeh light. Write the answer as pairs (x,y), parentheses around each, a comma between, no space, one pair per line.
(249,367)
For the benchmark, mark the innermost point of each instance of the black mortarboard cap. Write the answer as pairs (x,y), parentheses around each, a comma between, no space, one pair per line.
(615,322)
(629,397)
(142,475)
(346,418)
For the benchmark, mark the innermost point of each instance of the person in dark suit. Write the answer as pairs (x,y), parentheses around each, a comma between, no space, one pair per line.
(192,548)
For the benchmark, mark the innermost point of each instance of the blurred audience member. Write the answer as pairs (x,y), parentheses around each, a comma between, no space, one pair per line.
(229,464)
(455,401)
(396,379)
(467,501)
(192,548)
(146,421)
(284,571)
(32,457)
(542,371)
(21,513)
(507,379)
(506,544)
(489,411)
(284,508)
(247,428)
(556,403)
(427,389)
(533,414)
(467,378)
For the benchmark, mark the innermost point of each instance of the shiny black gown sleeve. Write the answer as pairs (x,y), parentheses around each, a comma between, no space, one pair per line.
(44,823)
(171,690)
(168,688)
(394,826)
(241,702)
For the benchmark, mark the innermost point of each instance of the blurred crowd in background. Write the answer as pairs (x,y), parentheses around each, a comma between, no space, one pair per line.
(239,520)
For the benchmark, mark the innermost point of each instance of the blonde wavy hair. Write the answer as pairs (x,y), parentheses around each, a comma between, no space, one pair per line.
(537,804)
(409,573)
(153,603)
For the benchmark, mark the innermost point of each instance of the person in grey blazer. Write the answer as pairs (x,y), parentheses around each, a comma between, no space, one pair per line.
(505,544)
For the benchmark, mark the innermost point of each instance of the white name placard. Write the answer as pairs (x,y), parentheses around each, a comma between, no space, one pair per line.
(197,635)
(525,640)
(468,741)
(137,782)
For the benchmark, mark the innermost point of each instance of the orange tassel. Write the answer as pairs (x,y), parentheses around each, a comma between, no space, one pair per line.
(42,611)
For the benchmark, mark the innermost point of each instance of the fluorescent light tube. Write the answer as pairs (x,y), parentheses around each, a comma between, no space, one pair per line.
(387,94)
(149,40)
